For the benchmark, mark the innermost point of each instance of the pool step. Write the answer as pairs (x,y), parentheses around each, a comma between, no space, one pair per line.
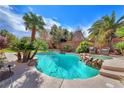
(113,68)
(112,74)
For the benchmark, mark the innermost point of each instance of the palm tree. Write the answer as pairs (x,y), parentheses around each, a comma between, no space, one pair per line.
(34,23)
(111,26)
(95,33)
(108,25)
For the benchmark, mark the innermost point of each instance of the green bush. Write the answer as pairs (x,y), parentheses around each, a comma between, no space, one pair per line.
(9,36)
(43,45)
(120,46)
(24,44)
(21,45)
(26,50)
(67,48)
(120,32)
(83,47)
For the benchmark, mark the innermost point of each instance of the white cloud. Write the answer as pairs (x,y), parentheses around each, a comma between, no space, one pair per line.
(15,21)
(69,28)
(50,22)
(30,9)
(6,7)
(85,30)
(81,27)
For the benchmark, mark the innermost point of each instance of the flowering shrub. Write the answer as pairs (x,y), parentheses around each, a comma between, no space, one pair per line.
(3,42)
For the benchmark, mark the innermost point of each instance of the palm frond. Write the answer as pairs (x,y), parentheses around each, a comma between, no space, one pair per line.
(113,17)
(120,24)
(120,20)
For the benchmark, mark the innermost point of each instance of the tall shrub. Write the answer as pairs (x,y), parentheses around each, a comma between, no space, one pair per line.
(120,46)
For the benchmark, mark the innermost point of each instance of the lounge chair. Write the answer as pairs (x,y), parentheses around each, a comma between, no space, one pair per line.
(92,50)
(105,51)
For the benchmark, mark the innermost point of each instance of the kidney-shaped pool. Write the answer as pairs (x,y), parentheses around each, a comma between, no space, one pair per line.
(65,66)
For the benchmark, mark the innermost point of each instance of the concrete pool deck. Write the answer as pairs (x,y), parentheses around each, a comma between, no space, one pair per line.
(29,77)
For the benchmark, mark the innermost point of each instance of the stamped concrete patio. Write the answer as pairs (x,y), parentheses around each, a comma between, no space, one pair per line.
(29,77)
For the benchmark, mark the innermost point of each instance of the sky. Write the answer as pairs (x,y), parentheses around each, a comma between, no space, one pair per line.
(67,16)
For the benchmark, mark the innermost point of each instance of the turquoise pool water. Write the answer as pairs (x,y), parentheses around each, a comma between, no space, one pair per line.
(66,66)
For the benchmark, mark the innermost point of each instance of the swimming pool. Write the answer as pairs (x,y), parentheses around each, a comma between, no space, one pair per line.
(65,66)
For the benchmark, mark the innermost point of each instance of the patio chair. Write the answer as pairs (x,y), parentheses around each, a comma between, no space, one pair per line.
(105,51)
(92,50)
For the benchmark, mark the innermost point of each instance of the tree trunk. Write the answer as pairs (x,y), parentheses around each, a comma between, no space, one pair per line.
(110,44)
(19,56)
(111,31)
(33,34)
(25,56)
(34,53)
(29,54)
